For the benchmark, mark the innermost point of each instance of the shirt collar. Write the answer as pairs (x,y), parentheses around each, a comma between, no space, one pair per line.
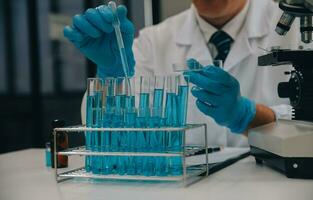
(232,27)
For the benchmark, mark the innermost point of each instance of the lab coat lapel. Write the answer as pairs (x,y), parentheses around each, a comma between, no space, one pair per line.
(241,49)
(256,26)
(189,36)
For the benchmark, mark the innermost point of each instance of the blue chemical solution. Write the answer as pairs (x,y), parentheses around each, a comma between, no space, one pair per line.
(127,139)
(158,98)
(118,137)
(156,120)
(107,117)
(157,140)
(90,122)
(182,100)
(130,121)
(94,120)
(140,143)
(172,138)
(48,157)
(171,118)
(88,133)
(142,121)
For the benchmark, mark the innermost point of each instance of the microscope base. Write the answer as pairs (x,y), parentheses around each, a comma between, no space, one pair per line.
(285,145)
(291,167)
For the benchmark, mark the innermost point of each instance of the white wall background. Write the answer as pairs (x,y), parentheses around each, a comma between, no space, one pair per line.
(172,7)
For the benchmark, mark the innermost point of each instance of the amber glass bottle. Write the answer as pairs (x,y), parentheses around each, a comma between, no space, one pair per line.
(62,144)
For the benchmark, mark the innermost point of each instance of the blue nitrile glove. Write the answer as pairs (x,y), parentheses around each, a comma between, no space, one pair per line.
(93,34)
(218,96)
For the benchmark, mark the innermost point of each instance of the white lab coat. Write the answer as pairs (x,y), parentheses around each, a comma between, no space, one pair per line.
(179,38)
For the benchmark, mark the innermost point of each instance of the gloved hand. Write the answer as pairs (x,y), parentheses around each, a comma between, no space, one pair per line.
(218,96)
(93,34)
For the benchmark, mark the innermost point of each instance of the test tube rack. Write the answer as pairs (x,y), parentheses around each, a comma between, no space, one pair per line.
(191,173)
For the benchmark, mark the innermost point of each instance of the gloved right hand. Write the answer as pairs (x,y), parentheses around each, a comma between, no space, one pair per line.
(93,34)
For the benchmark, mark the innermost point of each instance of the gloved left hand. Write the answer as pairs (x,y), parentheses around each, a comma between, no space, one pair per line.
(218,96)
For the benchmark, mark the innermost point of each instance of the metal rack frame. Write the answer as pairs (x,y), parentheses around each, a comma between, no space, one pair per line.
(189,172)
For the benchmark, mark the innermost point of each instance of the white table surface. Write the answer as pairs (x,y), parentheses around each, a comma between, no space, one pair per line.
(23,175)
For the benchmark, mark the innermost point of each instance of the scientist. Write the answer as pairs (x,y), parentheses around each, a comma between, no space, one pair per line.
(230,101)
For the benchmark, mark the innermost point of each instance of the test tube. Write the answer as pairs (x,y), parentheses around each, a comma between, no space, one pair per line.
(154,138)
(118,122)
(93,119)
(107,117)
(127,88)
(159,83)
(196,65)
(48,154)
(142,118)
(183,91)
(143,111)
(178,137)
(173,139)
(170,112)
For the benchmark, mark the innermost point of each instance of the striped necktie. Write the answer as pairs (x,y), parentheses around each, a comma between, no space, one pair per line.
(222,41)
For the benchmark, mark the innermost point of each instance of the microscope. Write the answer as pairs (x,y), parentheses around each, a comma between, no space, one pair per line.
(287,145)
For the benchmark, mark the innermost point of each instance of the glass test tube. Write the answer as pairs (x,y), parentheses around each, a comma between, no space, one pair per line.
(154,138)
(157,140)
(48,154)
(93,119)
(143,111)
(183,91)
(196,65)
(108,105)
(118,122)
(173,139)
(143,114)
(128,141)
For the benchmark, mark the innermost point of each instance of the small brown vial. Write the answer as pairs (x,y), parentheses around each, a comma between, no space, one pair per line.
(62,144)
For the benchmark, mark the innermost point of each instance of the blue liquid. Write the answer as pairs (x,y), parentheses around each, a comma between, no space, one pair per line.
(128,139)
(48,157)
(142,121)
(107,117)
(171,110)
(173,139)
(182,99)
(158,98)
(93,119)
(156,119)
(171,118)
(117,122)
(130,119)
(119,139)
(182,103)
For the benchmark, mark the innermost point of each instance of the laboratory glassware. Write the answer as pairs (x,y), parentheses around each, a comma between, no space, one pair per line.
(61,144)
(48,154)
(93,120)
(108,104)
(193,65)
(117,29)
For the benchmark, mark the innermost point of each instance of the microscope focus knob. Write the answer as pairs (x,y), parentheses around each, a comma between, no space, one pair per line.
(291,89)
(284,90)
